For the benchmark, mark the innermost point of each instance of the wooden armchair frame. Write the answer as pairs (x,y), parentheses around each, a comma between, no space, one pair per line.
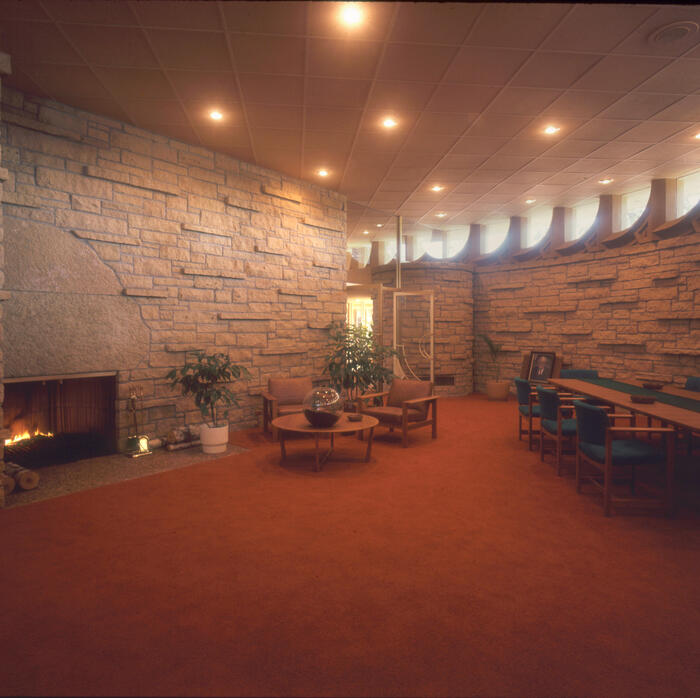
(602,479)
(405,425)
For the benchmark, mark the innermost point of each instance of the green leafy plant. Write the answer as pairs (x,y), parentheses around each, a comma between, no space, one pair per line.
(206,377)
(355,362)
(495,350)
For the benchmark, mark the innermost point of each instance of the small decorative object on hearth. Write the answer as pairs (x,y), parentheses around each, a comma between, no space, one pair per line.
(136,444)
(323,407)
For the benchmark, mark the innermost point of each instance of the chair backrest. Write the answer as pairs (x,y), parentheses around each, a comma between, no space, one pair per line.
(290,391)
(407,389)
(592,423)
(549,403)
(692,383)
(581,373)
(522,388)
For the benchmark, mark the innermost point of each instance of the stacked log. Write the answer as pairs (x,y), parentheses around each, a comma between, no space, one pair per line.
(7,483)
(24,479)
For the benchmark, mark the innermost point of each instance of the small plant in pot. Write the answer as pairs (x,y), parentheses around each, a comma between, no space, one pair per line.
(355,361)
(206,377)
(495,389)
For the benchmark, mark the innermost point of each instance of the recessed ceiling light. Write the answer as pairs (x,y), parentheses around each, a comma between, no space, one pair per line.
(530,201)
(670,33)
(365,232)
(379,225)
(351,14)
(436,187)
(697,135)
(550,130)
(389,122)
(216,115)
(322,173)
(440,215)
(607,180)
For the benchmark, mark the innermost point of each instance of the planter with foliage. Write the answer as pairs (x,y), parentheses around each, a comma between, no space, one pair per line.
(495,389)
(206,377)
(355,361)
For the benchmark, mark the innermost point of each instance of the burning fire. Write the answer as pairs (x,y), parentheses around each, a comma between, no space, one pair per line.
(26,435)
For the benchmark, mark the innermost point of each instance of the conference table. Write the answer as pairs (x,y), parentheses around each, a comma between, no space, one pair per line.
(682,409)
(674,406)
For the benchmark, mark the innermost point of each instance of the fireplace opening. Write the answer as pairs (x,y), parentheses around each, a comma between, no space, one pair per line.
(59,419)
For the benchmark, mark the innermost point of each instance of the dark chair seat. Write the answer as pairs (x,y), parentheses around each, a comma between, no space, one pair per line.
(625,452)
(568,426)
(525,410)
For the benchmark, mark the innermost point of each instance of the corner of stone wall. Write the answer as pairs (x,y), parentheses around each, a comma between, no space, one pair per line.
(5,69)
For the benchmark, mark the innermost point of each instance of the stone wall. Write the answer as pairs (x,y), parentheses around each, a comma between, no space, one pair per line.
(453,314)
(125,249)
(634,309)
(4,70)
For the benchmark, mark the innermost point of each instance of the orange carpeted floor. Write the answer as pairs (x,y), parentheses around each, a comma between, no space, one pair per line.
(457,567)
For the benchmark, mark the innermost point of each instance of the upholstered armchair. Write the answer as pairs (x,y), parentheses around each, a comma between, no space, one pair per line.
(284,396)
(609,458)
(408,404)
(556,422)
(527,407)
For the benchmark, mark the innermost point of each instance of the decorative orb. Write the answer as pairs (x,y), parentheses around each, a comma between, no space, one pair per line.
(323,407)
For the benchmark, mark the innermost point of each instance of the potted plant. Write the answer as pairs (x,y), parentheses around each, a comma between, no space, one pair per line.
(495,389)
(355,362)
(205,377)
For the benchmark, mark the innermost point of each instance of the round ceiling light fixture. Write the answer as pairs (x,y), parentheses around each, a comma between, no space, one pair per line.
(365,232)
(436,187)
(322,172)
(530,201)
(351,14)
(440,215)
(551,130)
(216,115)
(671,33)
(389,122)
(606,180)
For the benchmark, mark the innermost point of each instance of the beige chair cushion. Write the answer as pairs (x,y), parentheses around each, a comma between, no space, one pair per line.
(392,415)
(290,391)
(290,409)
(406,389)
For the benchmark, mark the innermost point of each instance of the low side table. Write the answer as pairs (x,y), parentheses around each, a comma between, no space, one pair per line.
(298,424)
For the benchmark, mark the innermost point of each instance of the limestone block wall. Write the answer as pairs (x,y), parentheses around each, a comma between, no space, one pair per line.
(126,249)
(634,309)
(453,312)
(4,70)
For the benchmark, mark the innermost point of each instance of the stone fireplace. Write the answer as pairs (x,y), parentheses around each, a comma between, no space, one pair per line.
(58,419)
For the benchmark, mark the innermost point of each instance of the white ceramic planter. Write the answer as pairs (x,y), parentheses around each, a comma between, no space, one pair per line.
(214,439)
(498,390)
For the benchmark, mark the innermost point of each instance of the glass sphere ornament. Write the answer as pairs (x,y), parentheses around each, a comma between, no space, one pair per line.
(323,407)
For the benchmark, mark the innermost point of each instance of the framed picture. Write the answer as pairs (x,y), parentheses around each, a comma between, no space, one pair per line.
(541,366)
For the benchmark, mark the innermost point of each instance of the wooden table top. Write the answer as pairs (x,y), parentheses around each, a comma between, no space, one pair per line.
(298,423)
(668,413)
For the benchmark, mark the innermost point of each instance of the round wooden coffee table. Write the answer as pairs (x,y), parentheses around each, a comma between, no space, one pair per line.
(298,424)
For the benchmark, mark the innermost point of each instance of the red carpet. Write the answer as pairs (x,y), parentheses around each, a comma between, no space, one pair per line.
(457,567)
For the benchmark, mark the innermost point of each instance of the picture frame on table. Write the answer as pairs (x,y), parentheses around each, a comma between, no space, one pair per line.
(541,366)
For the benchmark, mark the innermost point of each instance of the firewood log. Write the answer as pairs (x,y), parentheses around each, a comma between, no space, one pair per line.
(25,479)
(7,482)
(184,444)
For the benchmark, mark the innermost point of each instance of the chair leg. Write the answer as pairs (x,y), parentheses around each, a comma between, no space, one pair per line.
(578,469)
(607,484)
(520,427)
(541,445)
(559,455)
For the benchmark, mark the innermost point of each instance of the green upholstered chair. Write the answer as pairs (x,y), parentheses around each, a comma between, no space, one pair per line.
(692,383)
(581,373)
(527,408)
(556,423)
(612,459)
